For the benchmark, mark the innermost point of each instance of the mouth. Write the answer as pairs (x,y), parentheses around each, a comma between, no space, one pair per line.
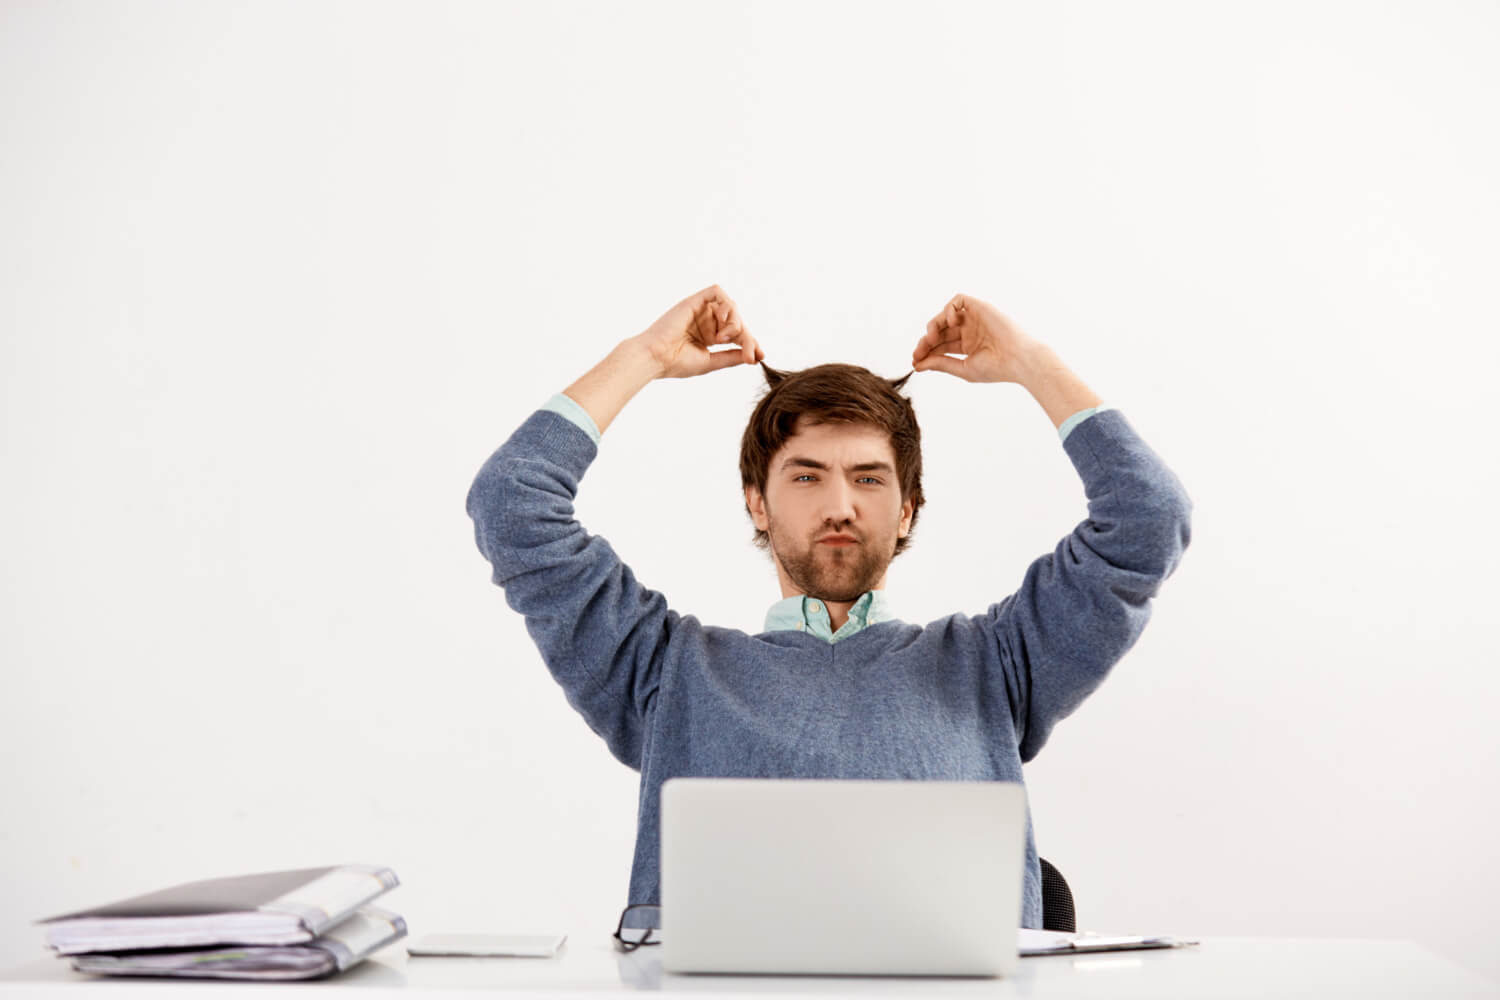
(838,540)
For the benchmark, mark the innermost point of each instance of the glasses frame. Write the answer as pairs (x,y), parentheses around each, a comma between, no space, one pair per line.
(626,945)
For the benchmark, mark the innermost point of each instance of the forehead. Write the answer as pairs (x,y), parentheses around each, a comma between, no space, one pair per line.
(838,442)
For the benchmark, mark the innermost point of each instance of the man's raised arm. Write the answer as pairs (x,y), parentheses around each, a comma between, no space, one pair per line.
(601,633)
(1080,608)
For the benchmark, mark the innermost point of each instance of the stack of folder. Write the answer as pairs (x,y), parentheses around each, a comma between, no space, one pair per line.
(298,924)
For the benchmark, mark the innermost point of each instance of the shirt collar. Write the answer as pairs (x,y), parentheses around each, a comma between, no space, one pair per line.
(809,614)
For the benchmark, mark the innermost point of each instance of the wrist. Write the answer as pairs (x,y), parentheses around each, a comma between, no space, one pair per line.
(634,355)
(1055,386)
(604,390)
(1036,364)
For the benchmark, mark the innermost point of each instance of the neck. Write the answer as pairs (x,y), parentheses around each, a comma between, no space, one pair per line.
(838,611)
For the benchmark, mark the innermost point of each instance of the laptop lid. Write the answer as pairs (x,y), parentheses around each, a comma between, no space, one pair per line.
(844,877)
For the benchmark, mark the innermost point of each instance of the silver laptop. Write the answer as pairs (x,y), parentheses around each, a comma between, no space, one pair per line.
(841,877)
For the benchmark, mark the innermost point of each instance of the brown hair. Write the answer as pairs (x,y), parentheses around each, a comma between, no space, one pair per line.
(833,393)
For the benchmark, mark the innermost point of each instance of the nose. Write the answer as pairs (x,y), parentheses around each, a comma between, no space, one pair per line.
(838,502)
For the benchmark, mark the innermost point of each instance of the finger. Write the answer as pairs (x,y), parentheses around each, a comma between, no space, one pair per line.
(747,352)
(726,318)
(944,343)
(718,322)
(701,325)
(734,330)
(941,363)
(729,321)
(750,352)
(713,293)
(707,302)
(936,333)
(700,305)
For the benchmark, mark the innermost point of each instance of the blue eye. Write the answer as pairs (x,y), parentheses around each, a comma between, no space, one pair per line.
(805,475)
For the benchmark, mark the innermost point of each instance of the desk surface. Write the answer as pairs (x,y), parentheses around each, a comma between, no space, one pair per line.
(1218,967)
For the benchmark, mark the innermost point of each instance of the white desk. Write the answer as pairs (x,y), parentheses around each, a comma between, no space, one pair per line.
(1219,967)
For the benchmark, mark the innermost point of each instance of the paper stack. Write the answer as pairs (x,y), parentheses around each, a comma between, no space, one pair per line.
(297,924)
(1039,942)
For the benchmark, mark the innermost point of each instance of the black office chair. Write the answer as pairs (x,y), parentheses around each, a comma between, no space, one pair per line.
(1057,900)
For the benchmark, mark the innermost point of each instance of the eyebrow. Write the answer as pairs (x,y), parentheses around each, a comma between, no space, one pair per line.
(799,462)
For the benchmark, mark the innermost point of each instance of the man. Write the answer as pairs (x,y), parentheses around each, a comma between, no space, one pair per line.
(835,687)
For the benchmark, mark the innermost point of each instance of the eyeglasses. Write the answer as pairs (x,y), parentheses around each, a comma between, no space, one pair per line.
(623,943)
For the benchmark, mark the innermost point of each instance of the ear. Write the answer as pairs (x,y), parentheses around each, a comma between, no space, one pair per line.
(757,505)
(907,508)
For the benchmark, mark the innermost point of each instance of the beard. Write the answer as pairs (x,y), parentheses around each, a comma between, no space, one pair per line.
(839,573)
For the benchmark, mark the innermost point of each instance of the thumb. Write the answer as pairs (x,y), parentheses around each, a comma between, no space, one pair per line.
(941,363)
(723,359)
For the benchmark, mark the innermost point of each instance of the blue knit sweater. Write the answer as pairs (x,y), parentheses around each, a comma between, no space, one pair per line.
(962,698)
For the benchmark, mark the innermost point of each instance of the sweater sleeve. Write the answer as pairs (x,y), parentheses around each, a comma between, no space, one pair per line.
(1081,607)
(600,632)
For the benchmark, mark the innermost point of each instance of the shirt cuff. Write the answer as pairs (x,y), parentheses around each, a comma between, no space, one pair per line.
(1074,420)
(564,405)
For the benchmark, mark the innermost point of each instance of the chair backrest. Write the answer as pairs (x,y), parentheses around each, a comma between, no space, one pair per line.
(1057,900)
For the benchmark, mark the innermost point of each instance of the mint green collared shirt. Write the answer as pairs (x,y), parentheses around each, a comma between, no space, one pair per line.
(810,615)
(800,612)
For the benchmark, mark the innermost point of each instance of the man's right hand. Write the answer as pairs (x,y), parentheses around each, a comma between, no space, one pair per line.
(675,346)
(678,343)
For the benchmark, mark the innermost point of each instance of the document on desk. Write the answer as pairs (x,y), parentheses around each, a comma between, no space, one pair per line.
(265,908)
(347,943)
(1038,942)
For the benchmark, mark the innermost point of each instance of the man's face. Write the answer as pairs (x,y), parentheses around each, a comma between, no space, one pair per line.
(833,510)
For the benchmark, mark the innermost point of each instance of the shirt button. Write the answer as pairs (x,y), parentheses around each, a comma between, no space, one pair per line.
(813,607)
(799,626)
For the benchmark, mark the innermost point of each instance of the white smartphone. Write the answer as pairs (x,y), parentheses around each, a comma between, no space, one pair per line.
(487,945)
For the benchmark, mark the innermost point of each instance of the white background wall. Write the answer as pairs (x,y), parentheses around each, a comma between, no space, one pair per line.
(277,278)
